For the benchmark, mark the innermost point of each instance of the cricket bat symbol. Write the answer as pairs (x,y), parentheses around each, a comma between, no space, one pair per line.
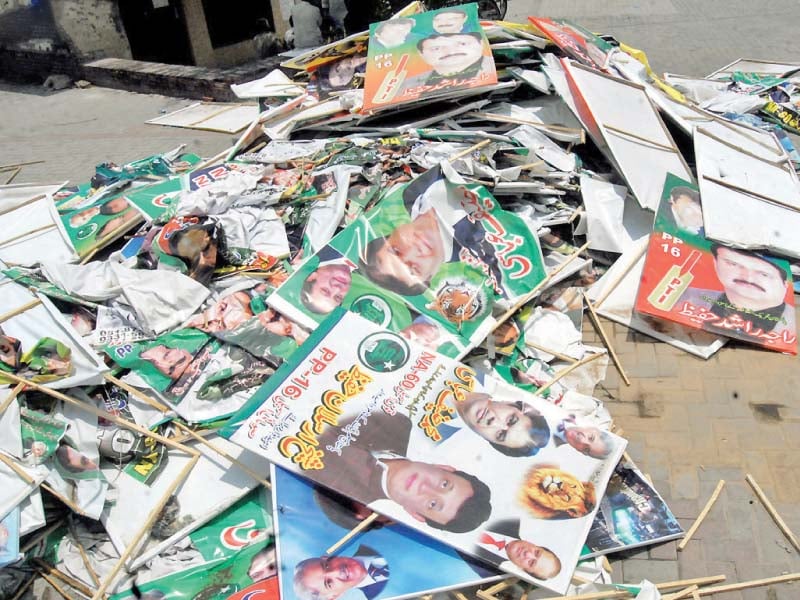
(392,83)
(671,287)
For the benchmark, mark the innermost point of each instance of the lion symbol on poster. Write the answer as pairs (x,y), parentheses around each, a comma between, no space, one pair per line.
(550,493)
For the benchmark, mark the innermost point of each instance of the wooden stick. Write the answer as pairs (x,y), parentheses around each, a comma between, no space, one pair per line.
(558,355)
(518,121)
(54,585)
(606,341)
(469,150)
(682,594)
(489,594)
(24,588)
(137,393)
(746,585)
(668,585)
(639,138)
(618,280)
(746,192)
(11,397)
(702,515)
(82,551)
(695,595)
(352,533)
(22,164)
(71,581)
(69,503)
(24,475)
(772,512)
(193,434)
(564,372)
(530,295)
(13,175)
(40,535)
(100,413)
(108,238)
(19,310)
(145,529)
(27,233)
(29,201)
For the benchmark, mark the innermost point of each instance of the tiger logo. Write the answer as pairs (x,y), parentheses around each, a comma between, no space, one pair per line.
(458,302)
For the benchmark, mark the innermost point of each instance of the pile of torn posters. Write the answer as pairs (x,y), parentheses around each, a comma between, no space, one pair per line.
(380,287)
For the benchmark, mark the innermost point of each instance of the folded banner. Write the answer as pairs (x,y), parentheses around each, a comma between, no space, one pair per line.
(388,561)
(426,441)
(424,55)
(436,261)
(693,281)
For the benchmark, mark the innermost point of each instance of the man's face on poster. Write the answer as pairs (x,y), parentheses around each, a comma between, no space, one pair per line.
(414,251)
(425,491)
(332,576)
(393,34)
(688,213)
(449,22)
(450,54)
(171,362)
(327,287)
(587,440)
(539,562)
(497,422)
(749,281)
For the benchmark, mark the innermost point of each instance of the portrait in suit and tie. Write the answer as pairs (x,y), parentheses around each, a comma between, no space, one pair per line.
(328,577)
(590,441)
(501,540)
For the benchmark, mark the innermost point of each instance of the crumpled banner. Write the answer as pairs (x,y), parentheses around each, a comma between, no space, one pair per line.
(48,360)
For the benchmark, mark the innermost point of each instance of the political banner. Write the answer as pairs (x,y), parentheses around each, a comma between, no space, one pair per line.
(576,42)
(689,279)
(436,261)
(387,561)
(426,55)
(466,459)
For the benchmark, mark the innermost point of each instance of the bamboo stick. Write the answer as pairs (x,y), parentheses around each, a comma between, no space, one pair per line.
(489,594)
(29,201)
(558,355)
(11,397)
(192,434)
(620,277)
(606,341)
(40,535)
(145,529)
(13,176)
(69,503)
(27,233)
(24,588)
(353,532)
(702,515)
(745,191)
(518,121)
(61,591)
(24,475)
(109,237)
(772,512)
(667,585)
(19,310)
(82,551)
(22,164)
(746,585)
(137,393)
(639,138)
(683,593)
(469,150)
(564,372)
(71,581)
(100,413)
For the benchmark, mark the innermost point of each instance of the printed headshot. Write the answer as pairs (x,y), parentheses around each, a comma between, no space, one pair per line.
(326,286)
(501,540)
(590,441)
(328,577)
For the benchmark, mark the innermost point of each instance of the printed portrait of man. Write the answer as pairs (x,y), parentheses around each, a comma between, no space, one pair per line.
(686,210)
(512,428)
(501,539)
(328,577)
(393,32)
(73,461)
(451,57)
(754,289)
(590,441)
(171,362)
(449,21)
(375,467)
(326,286)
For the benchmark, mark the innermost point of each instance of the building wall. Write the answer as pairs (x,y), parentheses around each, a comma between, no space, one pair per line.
(92,28)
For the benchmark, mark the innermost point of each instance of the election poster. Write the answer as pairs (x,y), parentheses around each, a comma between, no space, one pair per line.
(575,41)
(387,561)
(428,442)
(689,279)
(632,514)
(230,558)
(426,55)
(437,260)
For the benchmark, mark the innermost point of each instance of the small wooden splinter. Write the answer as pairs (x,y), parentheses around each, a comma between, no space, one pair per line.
(685,593)
(353,532)
(702,515)
(489,593)
(606,340)
(469,150)
(772,512)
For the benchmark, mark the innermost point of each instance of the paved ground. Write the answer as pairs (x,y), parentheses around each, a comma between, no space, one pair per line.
(690,422)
